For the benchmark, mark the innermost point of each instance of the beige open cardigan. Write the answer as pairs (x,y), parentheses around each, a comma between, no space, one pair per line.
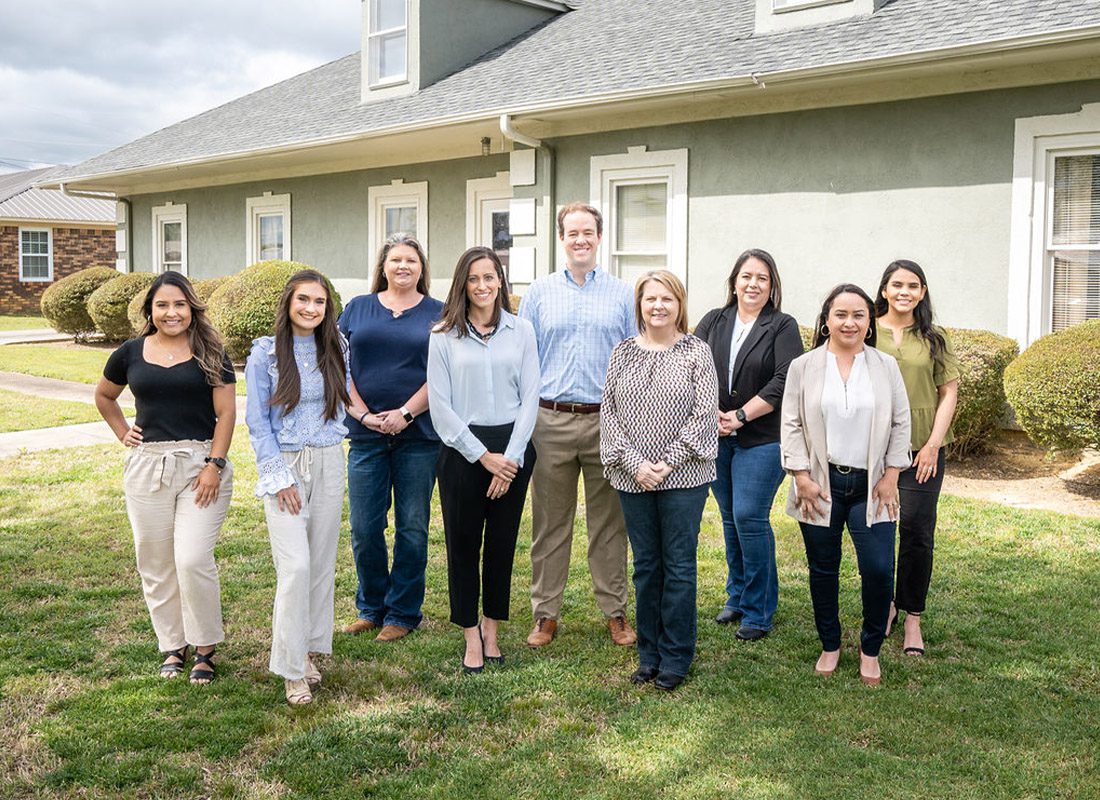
(802,431)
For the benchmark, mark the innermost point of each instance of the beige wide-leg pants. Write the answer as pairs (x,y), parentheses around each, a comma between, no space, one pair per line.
(174,540)
(303,547)
(567,446)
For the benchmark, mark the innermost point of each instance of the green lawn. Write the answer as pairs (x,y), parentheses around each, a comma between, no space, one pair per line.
(23,412)
(1004,706)
(81,363)
(12,322)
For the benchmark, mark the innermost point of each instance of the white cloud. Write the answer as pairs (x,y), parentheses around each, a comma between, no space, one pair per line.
(102,73)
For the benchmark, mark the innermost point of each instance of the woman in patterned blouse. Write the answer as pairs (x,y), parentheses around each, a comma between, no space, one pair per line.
(297,396)
(658,443)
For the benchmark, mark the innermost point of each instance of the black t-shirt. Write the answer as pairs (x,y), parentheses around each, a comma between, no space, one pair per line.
(173,403)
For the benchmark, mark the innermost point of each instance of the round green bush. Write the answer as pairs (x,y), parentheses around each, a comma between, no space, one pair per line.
(1054,388)
(109,304)
(206,287)
(64,304)
(243,307)
(983,357)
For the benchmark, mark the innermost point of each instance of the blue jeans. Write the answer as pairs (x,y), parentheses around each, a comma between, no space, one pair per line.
(748,478)
(663,528)
(379,469)
(874,554)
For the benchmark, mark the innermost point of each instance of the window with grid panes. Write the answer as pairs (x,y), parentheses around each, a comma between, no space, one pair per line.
(34,255)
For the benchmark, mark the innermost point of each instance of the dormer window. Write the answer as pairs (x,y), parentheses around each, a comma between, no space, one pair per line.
(782,15)
(387,41)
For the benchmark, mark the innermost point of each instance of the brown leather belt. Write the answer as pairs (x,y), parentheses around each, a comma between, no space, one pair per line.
(570,408)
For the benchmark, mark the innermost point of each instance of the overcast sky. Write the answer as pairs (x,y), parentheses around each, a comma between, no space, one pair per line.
(80,77)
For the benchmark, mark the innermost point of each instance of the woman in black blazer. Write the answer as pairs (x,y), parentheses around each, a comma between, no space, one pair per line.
(753,343)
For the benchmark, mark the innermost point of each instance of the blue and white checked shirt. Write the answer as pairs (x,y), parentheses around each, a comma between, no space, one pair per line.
(577,327)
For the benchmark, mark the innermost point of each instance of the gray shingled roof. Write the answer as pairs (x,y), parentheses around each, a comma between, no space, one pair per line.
(603,46)
(20,200)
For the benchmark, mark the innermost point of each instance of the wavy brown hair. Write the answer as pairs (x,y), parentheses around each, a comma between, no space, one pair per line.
(330,351)
(922,312)
(457,305)
(206,343)
(381,283)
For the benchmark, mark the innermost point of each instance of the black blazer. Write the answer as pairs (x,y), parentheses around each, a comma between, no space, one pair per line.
(761,367)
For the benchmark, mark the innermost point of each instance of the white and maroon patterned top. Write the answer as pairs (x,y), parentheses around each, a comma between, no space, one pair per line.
(660,405)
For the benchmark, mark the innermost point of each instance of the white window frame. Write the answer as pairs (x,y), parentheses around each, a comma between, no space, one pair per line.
(397,194)
(1030,275)
(375,36)
(639,165)
(478,192)
(167,213)
(268,205)
(49,255)
(796,5)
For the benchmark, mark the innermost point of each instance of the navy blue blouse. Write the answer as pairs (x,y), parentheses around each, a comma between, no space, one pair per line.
(389,358)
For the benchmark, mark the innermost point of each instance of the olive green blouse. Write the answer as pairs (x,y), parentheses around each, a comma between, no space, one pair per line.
(922,376)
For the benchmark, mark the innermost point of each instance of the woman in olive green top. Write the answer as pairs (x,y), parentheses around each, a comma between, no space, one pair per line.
(931,374)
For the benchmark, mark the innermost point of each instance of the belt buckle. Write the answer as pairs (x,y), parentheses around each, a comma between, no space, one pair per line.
(843,470)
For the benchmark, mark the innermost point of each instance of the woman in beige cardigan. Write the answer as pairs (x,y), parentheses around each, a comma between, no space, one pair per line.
(845,440)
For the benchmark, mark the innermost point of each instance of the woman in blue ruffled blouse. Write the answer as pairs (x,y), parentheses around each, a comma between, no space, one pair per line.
(297,397)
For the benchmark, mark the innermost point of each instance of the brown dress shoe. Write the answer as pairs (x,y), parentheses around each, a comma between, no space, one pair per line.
(543,633)
(359,626)
(621,632)
(390,633)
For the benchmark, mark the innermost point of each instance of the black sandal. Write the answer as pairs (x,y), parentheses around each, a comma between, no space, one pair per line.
(203,671)
(170,669)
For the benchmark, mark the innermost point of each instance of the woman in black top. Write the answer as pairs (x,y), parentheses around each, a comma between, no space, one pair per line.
(753,343)
(176,479)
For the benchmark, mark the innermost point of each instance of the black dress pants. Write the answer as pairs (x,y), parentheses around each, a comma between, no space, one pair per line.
(480,529)
(916,536)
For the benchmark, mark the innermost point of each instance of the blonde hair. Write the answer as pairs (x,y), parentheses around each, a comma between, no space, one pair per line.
(670,282)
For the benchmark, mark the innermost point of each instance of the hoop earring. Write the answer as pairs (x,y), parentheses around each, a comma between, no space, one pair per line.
(868,335)
(824,331)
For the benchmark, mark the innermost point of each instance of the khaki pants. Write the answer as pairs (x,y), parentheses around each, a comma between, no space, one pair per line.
(303,547)
(567,446)
(174,540)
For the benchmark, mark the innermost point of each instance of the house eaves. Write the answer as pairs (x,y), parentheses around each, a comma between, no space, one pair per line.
(459,135)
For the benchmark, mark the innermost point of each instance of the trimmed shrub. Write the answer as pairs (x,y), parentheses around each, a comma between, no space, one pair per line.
(1054,388)
(983,357)
(243,307)
(109,304)
(206,288)
(64,305)
(807,334)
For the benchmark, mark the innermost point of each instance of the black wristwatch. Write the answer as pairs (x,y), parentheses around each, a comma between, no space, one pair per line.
(408,415)
(740,414)
(217,462)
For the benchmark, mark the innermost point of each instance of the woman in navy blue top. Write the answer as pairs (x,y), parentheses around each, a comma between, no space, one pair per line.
(393,445)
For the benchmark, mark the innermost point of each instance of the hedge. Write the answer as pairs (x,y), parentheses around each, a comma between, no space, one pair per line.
(1054,388)
(64,304)
(983,356)
(109,304)
(243,307)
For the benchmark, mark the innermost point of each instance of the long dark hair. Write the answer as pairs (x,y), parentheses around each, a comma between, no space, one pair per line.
(821,333)
(206,343)
(381,283)
(775,297)
(922,313)
(457,305)
(330,353)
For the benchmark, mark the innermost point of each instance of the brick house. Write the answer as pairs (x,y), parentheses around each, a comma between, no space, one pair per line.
(46,235)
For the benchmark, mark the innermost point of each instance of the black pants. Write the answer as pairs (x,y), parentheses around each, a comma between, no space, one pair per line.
(916,536)
(469,518)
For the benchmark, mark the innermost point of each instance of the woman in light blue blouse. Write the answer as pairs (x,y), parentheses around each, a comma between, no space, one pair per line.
(297,398)
(483,393)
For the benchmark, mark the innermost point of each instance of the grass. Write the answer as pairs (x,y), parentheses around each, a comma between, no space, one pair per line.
(22,412)
(15,322)
(1004,706)
(67,362)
